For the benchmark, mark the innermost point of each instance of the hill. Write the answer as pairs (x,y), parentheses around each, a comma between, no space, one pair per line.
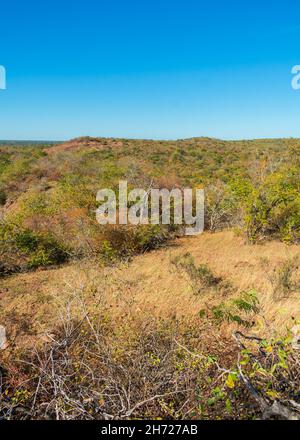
(139,321)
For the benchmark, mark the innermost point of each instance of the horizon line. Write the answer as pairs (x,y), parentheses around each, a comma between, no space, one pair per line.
(2,141)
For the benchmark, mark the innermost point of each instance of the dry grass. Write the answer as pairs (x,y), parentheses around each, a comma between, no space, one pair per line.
(84,339)
(151,284)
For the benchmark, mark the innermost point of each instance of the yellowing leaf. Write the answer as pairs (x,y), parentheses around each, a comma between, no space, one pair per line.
(230,380)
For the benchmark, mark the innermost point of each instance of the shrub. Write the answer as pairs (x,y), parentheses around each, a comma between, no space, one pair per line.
(237,310)
(272,210)
(121,242)
(35,249)
(221,210)
(3,197)
(93,367)
(200,276)
(26,241)
(283,277)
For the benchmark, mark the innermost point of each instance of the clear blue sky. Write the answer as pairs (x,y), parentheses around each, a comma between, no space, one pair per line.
(149,68)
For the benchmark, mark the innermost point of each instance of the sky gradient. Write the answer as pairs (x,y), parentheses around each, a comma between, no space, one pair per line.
(149,69)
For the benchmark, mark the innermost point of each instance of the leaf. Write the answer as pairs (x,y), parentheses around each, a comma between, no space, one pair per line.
(230,380)
(228,406)
(269,349)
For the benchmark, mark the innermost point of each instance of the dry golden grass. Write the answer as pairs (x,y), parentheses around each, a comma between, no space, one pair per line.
(150,284)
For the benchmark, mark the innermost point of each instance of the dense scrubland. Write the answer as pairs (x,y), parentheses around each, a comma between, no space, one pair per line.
(137,321)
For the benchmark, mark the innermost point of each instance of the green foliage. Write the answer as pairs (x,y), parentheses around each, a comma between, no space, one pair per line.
(74,191)
(272,210)
(4,161)
(16,169)
(269,366)
(36,249)
(107,253)
(237,309)
(249,185)
(26,241)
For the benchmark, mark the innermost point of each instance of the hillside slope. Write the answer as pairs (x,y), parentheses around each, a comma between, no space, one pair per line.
(139,321)
(152,285)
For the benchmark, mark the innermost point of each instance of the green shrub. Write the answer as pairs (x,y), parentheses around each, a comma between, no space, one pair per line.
(272,210)
(236,310)
(38,249)
(108,254)
(26,241)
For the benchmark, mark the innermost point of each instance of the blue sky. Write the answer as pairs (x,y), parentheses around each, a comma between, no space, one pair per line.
(149,69)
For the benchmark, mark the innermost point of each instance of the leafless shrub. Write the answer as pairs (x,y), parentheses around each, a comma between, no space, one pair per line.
(84,373)
(220,210)
(283,277)
(94,367)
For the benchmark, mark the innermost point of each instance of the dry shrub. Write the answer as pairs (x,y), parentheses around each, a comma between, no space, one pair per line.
(95,366)
(117,242)
(283,278)
(201,277)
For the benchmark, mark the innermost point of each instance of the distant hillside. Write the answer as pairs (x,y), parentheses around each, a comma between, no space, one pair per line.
(26,143)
